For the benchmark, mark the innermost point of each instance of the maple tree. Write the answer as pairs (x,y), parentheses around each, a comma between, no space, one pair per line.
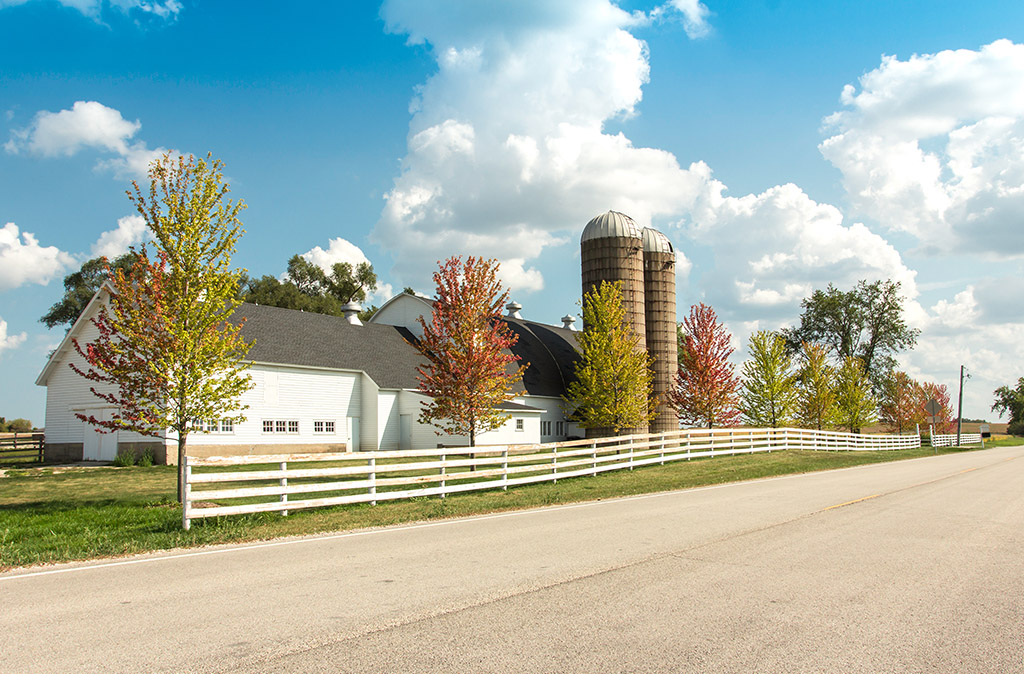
(705,388)
(470,370)
(901,405)
(167,354)
(816,380)
(855,406)
(1011,400)
(946,421)
(769,394)
(614,384)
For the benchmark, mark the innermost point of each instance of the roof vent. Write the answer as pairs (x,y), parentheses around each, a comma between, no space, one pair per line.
(351,311)
(513,309)
(569,322)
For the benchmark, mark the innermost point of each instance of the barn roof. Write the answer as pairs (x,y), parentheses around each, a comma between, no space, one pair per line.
(387,353)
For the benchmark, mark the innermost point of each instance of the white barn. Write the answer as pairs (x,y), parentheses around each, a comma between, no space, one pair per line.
(320,383)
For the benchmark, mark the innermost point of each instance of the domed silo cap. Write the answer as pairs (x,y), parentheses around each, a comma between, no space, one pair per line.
(611,224)
(656,242)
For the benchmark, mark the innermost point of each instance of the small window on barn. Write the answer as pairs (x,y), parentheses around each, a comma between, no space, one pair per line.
(323,426)
(280,426)
(545,428)
(227,426)
(293,426)
(519,424)
(268,426)
(560,428)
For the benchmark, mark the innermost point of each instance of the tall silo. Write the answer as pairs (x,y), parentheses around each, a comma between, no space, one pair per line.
(660,312)
(612,250)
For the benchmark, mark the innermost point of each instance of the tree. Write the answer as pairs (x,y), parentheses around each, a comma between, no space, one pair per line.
(1011,400)
(865,322)
(705,387)
(901,405)
(769,395)
(816,402)
(855,406)
(167,347)
(308,288)
(80,286)
(614,384)
(946,422)
(467,348)
(15,425)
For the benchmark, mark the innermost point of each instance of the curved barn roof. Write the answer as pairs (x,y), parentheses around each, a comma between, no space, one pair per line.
(611,224)
(656,242)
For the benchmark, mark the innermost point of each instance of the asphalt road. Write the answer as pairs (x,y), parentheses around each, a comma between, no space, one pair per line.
(916,566)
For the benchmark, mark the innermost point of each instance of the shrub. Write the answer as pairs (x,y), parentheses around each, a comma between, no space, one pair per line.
(125,457)
(146,459)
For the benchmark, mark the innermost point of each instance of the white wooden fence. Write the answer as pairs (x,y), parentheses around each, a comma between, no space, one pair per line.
(949,439)
(265,482)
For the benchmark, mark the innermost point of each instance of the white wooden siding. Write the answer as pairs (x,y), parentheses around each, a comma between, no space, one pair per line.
(388,425)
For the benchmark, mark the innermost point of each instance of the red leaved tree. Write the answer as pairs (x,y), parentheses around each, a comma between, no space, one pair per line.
(468,375)
(946,422)
(706,386)
(901,406)
(125,359)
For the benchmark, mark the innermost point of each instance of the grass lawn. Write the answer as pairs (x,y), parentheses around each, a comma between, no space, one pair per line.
(62,514)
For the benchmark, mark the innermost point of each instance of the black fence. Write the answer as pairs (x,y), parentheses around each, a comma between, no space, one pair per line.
(21,448)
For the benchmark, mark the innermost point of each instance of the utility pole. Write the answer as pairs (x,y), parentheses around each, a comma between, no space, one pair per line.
(960,407)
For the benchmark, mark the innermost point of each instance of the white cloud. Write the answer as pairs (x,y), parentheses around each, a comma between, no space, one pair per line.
(23,260)
(87,125)
(934,146)
(694,14)
(131,230)
(342,250)
(10,342)
(94,9)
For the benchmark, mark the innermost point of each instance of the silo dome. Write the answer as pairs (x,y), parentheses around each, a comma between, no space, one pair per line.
(611,224)
(656,242)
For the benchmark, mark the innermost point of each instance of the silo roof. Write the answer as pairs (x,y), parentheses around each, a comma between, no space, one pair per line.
(611,224)
(656,242)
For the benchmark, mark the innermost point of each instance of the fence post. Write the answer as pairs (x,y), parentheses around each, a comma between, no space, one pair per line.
(593,455)
(554,464)
(687,446)
(631,452)
(444,471)
(662,455)
(373,479)
(187,497)
(284,483)
(504,469)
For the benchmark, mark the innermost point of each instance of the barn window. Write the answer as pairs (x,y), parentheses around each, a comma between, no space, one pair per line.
(323,426)
(545,428)
(519,424)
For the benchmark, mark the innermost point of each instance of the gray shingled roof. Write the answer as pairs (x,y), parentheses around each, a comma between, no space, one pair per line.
(386,353)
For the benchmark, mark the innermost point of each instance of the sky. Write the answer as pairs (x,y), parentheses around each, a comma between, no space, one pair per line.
(781,145)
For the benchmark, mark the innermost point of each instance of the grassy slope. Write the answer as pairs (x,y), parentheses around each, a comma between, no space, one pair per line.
(52,515)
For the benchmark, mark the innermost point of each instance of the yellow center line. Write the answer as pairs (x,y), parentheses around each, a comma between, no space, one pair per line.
(858,500)
(966,471)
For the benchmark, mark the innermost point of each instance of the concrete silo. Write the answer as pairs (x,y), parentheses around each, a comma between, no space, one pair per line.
(612,250)
(660,319)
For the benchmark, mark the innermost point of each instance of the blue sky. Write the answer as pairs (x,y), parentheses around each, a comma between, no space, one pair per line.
(780,145)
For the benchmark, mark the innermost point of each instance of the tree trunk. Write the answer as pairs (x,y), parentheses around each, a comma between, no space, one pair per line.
(182,437)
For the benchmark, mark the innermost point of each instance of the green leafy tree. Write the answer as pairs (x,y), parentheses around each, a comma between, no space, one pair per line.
(769,394)
(166,346)
(470,371)
(865,322)
(1011,400)
(308,288)
(705,390)
(855,405)
(614,384)
(816,382)
(80,286)
(15,426)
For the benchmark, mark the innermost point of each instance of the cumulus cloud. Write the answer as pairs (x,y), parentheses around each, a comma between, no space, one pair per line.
(934,146)
(342,250)
(10,342)
(131,230)
(166,10)
(23,260)
(694,15)
(86,125)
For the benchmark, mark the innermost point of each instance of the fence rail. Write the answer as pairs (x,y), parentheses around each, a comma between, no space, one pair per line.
(22,446)
(265,482)
(949,439)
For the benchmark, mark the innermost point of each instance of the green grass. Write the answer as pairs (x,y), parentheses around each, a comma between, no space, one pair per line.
(54,515)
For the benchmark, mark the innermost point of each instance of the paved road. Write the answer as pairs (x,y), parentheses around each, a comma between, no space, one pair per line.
(916,566)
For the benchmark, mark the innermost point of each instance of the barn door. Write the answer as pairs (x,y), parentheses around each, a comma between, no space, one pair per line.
(98,446)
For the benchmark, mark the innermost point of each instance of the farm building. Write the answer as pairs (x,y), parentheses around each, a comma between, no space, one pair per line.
(320,383)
